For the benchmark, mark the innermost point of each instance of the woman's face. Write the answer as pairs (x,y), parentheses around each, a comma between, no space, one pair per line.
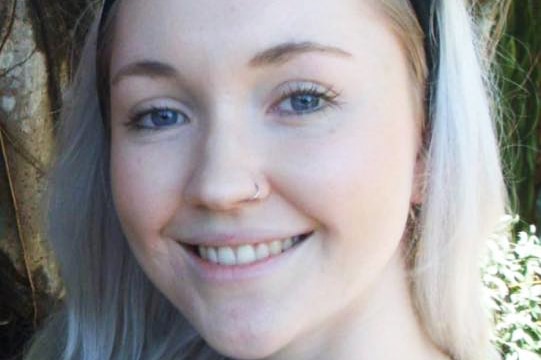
(311,100)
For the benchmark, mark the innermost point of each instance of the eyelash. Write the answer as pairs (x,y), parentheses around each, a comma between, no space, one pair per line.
(135,118)
(329,96)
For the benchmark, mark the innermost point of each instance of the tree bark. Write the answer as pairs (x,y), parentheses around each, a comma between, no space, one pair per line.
(36,57)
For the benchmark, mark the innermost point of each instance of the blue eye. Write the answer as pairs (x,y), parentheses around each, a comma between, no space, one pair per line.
(302,100)
(156,119)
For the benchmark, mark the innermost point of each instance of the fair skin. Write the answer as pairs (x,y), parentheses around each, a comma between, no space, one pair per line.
(344,168)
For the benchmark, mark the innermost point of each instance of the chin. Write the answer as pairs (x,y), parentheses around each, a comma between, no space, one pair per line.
(246,343)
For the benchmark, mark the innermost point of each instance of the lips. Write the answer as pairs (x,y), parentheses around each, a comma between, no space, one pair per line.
(243,270)
(243,254)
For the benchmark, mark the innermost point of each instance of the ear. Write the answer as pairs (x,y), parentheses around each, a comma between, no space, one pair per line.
(419,179)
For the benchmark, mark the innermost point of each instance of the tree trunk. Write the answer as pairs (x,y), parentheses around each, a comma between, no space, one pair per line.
(36,38)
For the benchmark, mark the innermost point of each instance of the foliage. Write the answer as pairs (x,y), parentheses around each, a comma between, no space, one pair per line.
(518,58)
(512,276)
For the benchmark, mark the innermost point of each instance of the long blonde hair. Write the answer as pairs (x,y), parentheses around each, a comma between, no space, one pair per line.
(112,311)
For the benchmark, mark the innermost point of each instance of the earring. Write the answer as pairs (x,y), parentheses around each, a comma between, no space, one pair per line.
(413,233)
(413,218)
(412,215)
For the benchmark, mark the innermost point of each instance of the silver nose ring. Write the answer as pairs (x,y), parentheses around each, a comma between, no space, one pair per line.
(257,192)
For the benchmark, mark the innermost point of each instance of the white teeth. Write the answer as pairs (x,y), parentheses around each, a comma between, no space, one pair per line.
(245,254)
(226,256)
(275,247)
(212,255)
(261,251)
(287,244)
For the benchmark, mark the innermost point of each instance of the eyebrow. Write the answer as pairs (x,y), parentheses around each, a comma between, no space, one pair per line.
(275,55)
(284,52)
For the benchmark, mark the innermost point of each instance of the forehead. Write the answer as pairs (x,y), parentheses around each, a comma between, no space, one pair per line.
(227,31)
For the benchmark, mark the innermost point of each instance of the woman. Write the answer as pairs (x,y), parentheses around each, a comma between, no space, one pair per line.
(274,180)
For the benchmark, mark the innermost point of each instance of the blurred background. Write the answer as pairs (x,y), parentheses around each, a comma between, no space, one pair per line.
(39,45)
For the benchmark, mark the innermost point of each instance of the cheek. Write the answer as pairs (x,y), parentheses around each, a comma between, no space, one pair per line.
(351,174)
(145,183)
(357,184)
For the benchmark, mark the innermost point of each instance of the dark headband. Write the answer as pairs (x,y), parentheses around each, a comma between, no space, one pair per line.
(423,9)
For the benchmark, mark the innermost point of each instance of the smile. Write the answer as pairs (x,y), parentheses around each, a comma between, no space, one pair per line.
(245,254)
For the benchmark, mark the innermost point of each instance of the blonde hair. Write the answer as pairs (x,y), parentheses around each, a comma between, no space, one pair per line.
(112,311)
(465,191)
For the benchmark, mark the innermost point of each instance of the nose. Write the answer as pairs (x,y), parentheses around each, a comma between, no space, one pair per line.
(225,174)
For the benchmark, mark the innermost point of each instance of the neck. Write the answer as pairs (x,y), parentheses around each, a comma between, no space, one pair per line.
(383,326)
